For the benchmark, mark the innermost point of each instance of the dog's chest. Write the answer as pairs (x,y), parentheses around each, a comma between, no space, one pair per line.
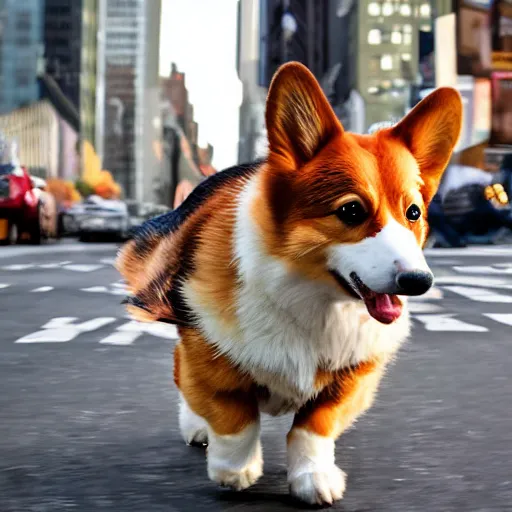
(284,349)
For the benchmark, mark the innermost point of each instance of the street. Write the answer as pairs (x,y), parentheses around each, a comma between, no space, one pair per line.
(88,414)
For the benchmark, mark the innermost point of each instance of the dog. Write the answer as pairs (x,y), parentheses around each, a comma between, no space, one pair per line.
(288,279)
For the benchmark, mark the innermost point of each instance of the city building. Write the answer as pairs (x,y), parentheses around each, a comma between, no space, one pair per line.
(186,163)
(88,67)
(128,122)
(21,47)
(252,143)
(365,54)
(70,42)
(62,45)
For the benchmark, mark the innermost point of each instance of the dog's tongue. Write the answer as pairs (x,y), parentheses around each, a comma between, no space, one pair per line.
(383,307)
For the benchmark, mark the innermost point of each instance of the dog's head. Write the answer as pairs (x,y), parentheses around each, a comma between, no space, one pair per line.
(351,209)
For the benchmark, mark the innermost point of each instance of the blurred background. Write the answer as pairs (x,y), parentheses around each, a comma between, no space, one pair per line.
(138,101)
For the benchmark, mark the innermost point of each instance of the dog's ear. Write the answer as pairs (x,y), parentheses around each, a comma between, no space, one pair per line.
(299,117)
(430,131)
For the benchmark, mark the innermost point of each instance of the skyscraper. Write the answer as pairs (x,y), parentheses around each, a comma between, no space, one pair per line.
(20,52)
(129,96)
(70,38)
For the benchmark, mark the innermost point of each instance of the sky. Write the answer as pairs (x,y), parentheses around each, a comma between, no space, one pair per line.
(200,37)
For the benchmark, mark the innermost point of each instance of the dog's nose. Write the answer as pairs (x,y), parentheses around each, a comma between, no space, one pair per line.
(414,282)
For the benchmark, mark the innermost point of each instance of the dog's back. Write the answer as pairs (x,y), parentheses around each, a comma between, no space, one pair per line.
(162,252)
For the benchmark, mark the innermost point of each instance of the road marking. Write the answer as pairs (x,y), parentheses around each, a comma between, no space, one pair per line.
(62,329)
(121,338)
(18,266)
(2,286)
(502,318)
(424,307)
(446,322)
(471,251)
(95,289)
(480,294)
(42,289)
(443,262)
(117,289)
(83,268)
(50,265)
(130,331)
(483,269)
(158,329)
(108,261)
(491,282)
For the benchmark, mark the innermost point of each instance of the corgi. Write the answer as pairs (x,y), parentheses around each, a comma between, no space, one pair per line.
(288,280)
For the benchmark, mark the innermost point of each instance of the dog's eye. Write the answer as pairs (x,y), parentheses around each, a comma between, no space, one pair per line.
(413,213)
(352,213)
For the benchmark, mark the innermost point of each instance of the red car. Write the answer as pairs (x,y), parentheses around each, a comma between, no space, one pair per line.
(26,211)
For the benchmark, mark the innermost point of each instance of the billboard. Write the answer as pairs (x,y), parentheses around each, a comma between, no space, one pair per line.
(501,132)
(484,36)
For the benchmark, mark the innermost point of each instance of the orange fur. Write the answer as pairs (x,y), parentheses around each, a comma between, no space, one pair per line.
(344,395)
(213,388)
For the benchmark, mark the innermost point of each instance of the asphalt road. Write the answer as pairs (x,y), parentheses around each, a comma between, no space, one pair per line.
(88,417)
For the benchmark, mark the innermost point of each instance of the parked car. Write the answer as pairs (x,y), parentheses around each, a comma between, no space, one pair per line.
(27,211)
(103,218)
(141,212)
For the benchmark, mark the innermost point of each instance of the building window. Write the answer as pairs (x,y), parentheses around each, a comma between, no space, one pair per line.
(23,21)
(425,10)
(396,36)
(405,10)
(374,36)
(23,77)
(387,9)
(386,62)
(374,9)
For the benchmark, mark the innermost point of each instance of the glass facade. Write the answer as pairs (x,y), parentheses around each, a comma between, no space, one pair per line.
(21,36)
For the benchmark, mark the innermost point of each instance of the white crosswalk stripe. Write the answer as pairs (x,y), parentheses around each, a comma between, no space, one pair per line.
(447,322)
(503,318)
(65,329)
(489,284)
(480,294)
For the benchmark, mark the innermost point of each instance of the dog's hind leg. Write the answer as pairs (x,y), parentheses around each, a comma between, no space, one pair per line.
(216,393)
(193,428)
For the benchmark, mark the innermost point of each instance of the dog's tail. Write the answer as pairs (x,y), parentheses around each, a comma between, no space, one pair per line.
(145,263)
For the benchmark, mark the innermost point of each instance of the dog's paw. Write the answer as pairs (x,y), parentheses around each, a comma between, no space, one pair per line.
(319,488)
(238,480)
(192,427)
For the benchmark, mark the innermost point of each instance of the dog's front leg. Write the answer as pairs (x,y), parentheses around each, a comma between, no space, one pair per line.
(312,473)
(234,451)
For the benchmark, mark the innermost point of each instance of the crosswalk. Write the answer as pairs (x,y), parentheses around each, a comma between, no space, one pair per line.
(120,332)
(466,298)
(483,288)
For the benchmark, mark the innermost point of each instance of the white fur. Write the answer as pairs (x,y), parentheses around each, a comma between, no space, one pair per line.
(236,460)
(193,428)
(290,326)
(312,473)
(376,260)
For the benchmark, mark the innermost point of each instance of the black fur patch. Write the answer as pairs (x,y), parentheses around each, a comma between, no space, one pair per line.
(154,229)
(171,221)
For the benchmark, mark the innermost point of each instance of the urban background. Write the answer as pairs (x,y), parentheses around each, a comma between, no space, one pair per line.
(92,103)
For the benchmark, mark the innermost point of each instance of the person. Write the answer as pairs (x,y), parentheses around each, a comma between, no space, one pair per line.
(441,225)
